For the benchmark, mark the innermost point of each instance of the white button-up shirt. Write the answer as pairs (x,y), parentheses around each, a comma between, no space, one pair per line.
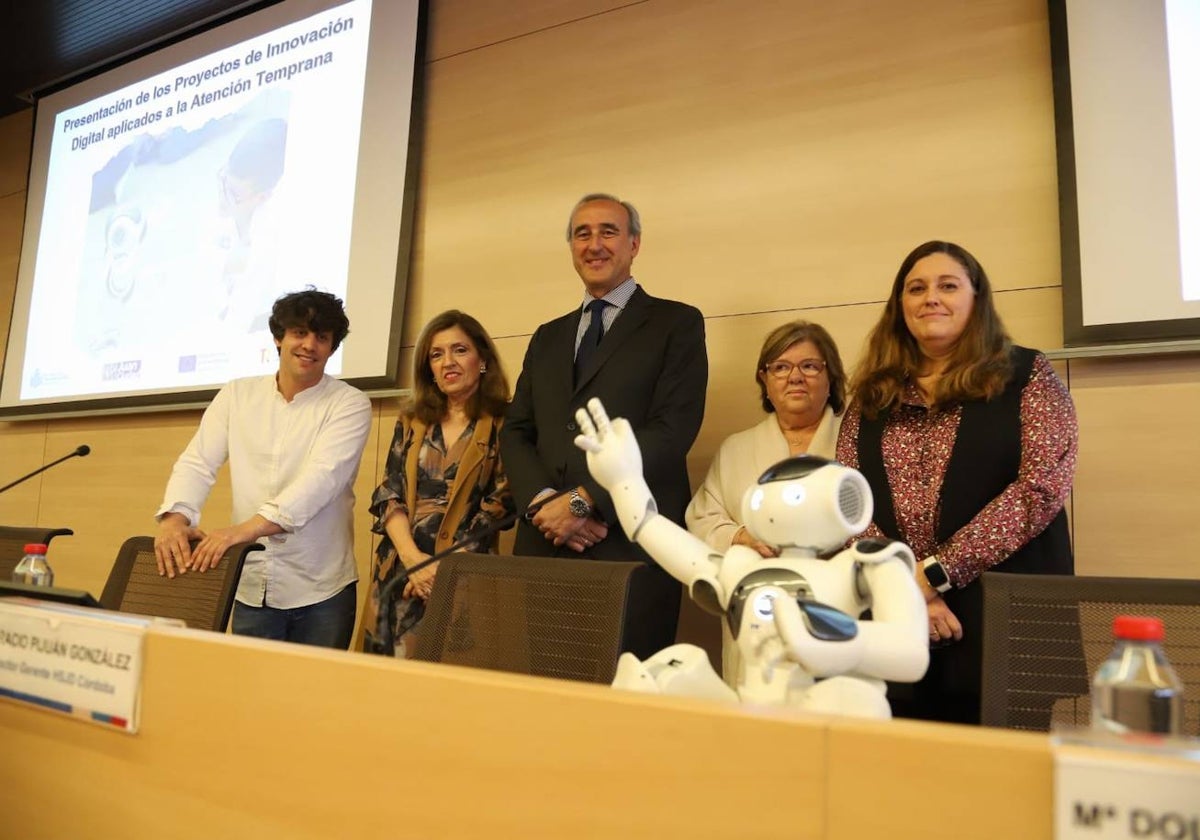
(293,463)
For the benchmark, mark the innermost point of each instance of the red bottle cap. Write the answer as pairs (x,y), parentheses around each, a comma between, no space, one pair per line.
(35,548)
(1139,628)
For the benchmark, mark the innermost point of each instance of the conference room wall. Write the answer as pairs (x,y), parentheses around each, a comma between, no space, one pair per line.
(785,155)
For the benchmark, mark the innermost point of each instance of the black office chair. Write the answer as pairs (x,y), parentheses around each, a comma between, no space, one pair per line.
(1044,636)
(544,616)
(204,600)
(13,541)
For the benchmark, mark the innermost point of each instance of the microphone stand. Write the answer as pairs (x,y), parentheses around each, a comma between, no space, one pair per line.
(384,642)
(79,452)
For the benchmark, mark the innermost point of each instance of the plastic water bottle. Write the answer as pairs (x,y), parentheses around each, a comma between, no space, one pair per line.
(1136,690)
(33,568)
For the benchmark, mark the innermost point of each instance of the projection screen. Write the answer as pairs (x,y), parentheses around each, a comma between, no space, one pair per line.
(173,198)
(1126,76)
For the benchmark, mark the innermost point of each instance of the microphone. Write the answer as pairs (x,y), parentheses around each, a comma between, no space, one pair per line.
(79,452)
(384,642)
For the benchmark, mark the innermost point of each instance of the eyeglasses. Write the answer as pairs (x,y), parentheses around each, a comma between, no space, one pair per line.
(811,368)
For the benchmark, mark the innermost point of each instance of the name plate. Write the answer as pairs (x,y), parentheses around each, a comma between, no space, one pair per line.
(1124,791)
(80,662)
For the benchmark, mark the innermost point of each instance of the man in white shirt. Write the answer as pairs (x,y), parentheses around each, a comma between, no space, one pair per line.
(293,442)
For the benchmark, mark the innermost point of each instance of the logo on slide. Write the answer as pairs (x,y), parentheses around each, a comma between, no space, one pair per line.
(122,370)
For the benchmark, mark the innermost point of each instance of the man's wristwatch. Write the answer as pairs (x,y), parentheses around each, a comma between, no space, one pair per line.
(936,575)
(578,505)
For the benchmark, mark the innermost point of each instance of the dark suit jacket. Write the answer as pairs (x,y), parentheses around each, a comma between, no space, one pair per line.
(651,368)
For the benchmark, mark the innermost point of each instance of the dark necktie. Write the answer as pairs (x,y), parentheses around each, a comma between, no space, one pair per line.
(591,336)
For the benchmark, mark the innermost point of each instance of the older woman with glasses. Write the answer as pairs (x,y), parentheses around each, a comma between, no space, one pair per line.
(802,386)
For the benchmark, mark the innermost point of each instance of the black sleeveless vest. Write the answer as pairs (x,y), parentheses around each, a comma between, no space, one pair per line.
(984,460)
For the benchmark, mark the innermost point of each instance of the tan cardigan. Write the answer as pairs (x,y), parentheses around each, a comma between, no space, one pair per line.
(474,468)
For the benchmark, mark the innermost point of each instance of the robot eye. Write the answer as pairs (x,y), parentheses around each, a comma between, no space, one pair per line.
(756,499)
(793,495)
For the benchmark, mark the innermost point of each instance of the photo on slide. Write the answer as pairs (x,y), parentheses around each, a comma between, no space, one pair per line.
(182,238)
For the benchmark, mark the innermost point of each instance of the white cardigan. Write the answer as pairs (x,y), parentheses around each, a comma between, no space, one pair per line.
(714,514)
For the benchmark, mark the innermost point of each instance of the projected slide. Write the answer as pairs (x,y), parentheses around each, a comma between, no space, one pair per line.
(179,207)
(1183,35)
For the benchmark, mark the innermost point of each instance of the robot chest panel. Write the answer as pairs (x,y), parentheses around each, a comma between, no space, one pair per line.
(832,582)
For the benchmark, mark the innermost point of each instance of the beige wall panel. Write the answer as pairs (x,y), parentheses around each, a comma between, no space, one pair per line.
(16,131)
(782,159)
(1139,466)
(22,450)
(457,26)
(12,222)
(1033,316)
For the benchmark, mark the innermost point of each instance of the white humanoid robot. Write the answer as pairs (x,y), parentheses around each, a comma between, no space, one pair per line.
(795,618)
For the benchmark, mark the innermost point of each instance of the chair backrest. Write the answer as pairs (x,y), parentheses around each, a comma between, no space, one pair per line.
(203,600)
(1045,635)
(546,616)
(13,541)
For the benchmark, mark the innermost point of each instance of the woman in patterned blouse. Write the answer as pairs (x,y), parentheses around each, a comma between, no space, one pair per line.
(444,480)
(969,444)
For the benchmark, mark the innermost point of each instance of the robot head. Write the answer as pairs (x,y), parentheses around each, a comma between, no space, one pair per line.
(808,503)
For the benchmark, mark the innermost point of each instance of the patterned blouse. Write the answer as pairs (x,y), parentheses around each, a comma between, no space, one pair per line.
(437,468)
(916,452)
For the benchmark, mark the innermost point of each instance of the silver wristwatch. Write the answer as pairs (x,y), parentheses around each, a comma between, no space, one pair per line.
(578,505)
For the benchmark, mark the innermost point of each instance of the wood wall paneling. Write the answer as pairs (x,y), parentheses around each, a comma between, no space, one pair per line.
(783,158)
(16,131)
(22,450)
(1138,477)
(12,214)
(457,26)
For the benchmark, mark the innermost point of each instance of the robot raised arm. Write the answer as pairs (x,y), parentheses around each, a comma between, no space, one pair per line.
(615,461)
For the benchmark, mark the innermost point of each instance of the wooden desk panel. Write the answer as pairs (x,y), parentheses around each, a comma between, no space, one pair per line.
(242,737)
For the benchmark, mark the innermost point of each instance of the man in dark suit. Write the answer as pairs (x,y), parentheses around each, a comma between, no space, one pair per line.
(645,358)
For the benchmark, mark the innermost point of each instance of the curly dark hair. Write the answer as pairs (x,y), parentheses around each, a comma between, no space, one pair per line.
(320,312)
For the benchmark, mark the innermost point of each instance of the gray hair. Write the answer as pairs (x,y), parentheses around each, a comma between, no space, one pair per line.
(635,221)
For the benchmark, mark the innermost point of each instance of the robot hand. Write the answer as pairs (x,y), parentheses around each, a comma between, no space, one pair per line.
(823,640)
(613,456)
(615,461)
